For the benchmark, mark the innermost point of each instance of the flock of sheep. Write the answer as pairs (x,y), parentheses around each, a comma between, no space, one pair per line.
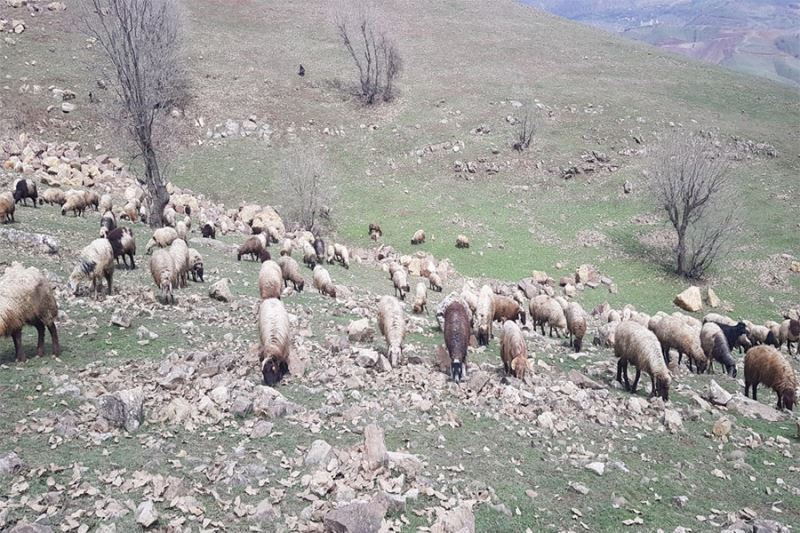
(464,317)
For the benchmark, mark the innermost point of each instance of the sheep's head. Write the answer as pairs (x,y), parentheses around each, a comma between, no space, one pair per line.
(789,398)
(794,327)
(456,370)
(394,355)
(731,370)
(741,329)
(518,366)
(330,290)
(273,371)
(702,365)
(198,270)
(662,387)
(74,281)
(772,340)
(264,255)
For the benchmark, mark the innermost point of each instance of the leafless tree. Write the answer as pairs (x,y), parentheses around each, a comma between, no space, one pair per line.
(372,48)
(306,192)
(690,181)
(526,128)
(140,41)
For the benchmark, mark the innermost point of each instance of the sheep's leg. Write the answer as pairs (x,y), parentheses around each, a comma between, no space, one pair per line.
(109,278)
(39,339)
(133,263)
(747,389)
(755,391)
(18,353)
(780,402)
(636,379)
(54,338)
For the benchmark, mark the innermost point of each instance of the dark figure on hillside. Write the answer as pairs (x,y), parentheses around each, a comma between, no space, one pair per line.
(301,71)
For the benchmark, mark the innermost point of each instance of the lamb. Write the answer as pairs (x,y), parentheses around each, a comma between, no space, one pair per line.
(419,237)
(546,310)
(180,254)
(309,255)
(7,207)
(162,238)
(275,336)
(462,241)
(164,273)
(270,280)
(108,223)
(254,246)
(319,249)
(674,333)
(329,255)
(96,263)
(290,271)
(484,315)
(435,282)
(27,298)
(123,245)
(196,265)
(392,325)
(76,203)
(637,345)
(181,229)
(208,231)
(513,350)
(765,364)
(400,281)
(507,308)
(24,189)
(789,332)
(342,255)
(576,324)
(456,338)
(375,232)
(420,299)
(52,196)
(323,282)
(715,347)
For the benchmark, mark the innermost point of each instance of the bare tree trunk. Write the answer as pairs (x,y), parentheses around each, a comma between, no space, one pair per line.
(157,190)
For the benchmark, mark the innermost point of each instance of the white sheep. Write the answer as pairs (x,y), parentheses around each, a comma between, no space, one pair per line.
(164,274)
(637,345)
(392,324)
(96,262)
(275,335)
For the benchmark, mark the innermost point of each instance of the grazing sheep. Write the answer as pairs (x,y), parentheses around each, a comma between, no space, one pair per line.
(170,216)
(276,341)
(329,254)
(419,237)
(547,310)
(187,220)
(773,339)
(123,245)
(507,308)
(180,254)
(716,348)
(92,199)
(513,350)
(323,282)
(765,364)
(208,231)
(576,324)
(76,203)
(108,223)
(270,280)
(400,281)
(758,333)
(162,238)
(309,255)
(394,267)
(319,249)
(719,319)
(286,247)
(106,203)
(52,196)
(462,241)
(7,207)
(24,189)
(131,212)
(290,271)
(164,273)
(253,246)
(435,282)
(342,255)
(732,332)
(392,323)
(637,345)
(484,315)
(456,338)
(789,332)
(196,265)
(181,230)
(470,298)
(606,334)
(26,298)
(96,262)
(674,333)
(375,232)
(420,299)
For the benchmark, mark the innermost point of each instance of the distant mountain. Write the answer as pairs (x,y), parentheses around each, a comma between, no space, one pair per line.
(760,37)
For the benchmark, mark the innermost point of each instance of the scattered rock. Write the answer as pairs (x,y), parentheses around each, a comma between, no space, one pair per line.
(360,331)
(270,403)
(722,427)
(596,467)
(221,290)
(242,406)
(67,107)
(478,381)
(121,318)
(367,357)
(580,488)
(262,429)
(26,527)
(681,501)
(10,464)
(627,187)
(795,266)
(356,518)
(752,409)
(458,520)
(690,300)
(712,298)
(123,409)
(146,514)
(374,446)
(672,420)
(716,394)
(318,454)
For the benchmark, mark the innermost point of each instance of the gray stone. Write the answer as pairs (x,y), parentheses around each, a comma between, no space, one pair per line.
(596,467)
(121,318)
(262,429)
(367,357)
(690,300)
(478,381)
(458,520)
(123,409)
(26,527)
(672,420)
(11,464)
(146,514)
(360,331)
(67,107)
(374,446)
(356,518)
(221,290)
(716,394)
(318,454)
(271,403)
(242,406)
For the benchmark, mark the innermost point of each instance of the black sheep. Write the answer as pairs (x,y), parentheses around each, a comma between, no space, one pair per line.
(208,231)
(25,189)
(732,333)
(456,338)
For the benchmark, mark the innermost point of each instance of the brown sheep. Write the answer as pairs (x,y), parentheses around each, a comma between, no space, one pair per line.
(290,271)
(765,364)
(164,274)
(546,310)
(419,237)
(513,350)
(92,199)
(420,299)
(52,196)
(507,308)
(323,282)
(270,280)
(637,345)
(435,282)
(789,332)
(275,335)
(342,255)
(392,324)
(75,202)
(96,263)
(576,324)
(462,241)
(180,254)
(131,212)
(26,298)
(286,247)
(674,333)
(484,315)
(456,338)
(7,207)
(196,265)
(253,246)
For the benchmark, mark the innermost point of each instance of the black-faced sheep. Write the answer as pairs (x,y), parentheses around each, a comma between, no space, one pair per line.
(52,196)
(290,270)
(96,263)
(435,282)
(420,299)
(342,255)
(319,249)
(253,246)
(462,241)
(392,324)
(765,364)
(715,346)
(24,189)
(323,282)
(270,280)
(275,335)
(456,338)
(164,274)
(418,237)
(400,282)
(789,333)
(27,299)
(196,265)
(375,232)
(576,324)
(674,333)
(637,345)
(484,315)
(75,202)
(513,350)
(180,254)
(108,223)
(7,207)
(162,238)
(123,244)
(208,231)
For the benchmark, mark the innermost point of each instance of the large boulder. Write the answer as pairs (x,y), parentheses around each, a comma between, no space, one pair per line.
(360,331)
(356,517)
(690,300)
(374,446)
(221,291)
(123,409)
